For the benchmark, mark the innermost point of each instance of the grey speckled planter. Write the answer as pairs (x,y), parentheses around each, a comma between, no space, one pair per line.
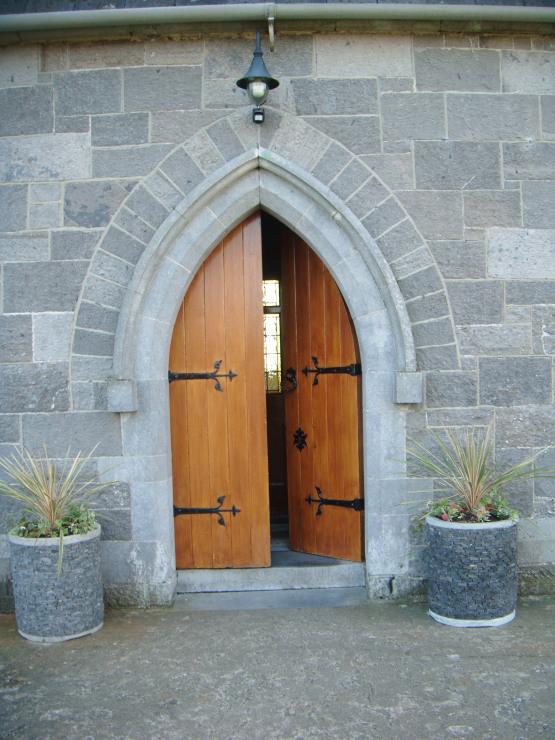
(51,607)
(472,572)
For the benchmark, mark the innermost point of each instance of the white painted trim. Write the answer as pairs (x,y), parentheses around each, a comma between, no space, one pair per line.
(451,622)
(63,638)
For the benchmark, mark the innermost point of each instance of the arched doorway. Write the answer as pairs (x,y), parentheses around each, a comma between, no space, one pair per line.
(266,440)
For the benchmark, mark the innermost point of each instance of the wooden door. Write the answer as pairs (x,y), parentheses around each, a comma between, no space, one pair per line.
(218,425)
(327,463)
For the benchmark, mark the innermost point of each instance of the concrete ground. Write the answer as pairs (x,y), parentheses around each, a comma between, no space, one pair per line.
(380,670)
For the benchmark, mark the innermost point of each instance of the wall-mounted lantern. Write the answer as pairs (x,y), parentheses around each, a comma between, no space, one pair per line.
(257,82)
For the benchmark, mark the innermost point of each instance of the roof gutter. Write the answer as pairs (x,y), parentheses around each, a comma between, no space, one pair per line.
(96,19)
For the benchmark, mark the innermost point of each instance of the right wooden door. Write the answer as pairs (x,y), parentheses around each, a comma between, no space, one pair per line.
(323,427)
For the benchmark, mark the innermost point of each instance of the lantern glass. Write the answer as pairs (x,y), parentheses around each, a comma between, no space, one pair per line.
(258,91)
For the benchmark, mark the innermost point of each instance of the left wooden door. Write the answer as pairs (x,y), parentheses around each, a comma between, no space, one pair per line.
(218,425)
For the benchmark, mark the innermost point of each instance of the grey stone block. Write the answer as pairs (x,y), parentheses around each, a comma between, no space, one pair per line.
(122,395)
(461,417)
(73,244)
(91,316)
(19,64)
(182,171)
(529,292)
(95,91)
(492,208)
(147,207)
(122,245)
(360,134)
(437,214)
(180,125)
(166,51)
(16,338)
(421,283)
(13,207)
(492,117)
(448,389)
(10,428)
(527,426)
(538,201)
(431,306)
(367,197)
(383,217)
(72,124)
(115,523)
(518,314)
(87,342)
(81,431)
(532,161)
(543,330)
(133,226)
(26,110)
(363,55)
(515,381)
(225,56)
(350,179)
(476,302)
(396,84)
(521,253)
(132,161)
(395,170)
(453,165)
(162,88)
(459,259)
(548,116)
(52,337)
(331,163)
(298,141)
(434,332)
(34,387)
(46,192)
(326,97)
(437,358)
(409,387)
(45,215)
(119,129)
(203,151)
(87,369)
(104,292)
(412,263)
(27,248)
(93,204)
(163,189)
(498,339)
(528,72)
(457,69)
(413,116)
(45,157)
(401,239)
(49,286)
(111,268)
(225,138)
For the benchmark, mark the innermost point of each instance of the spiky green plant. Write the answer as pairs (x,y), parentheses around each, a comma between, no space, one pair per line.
(464,465)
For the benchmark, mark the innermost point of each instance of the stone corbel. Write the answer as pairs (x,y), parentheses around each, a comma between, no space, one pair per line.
(409,387)
(122,395)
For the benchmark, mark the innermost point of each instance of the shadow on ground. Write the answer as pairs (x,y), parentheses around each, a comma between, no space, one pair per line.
(382,671)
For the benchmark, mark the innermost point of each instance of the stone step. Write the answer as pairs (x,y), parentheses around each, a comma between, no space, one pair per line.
(283,599)
(289,571)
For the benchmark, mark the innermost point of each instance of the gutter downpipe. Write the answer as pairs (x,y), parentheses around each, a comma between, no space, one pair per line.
(21,24)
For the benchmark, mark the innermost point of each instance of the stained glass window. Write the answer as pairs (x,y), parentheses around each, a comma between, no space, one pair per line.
(272,335)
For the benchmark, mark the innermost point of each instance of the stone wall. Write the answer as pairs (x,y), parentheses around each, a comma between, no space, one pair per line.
(441,146)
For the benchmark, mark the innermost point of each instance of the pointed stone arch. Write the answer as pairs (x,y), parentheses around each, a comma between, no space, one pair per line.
(186,213)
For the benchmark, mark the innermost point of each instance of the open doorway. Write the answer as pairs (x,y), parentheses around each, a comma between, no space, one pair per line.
(265,407)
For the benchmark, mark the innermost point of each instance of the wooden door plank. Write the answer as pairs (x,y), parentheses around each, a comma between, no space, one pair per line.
(216,408)
(180,452)
(289,328)
(257,435)
(197,361)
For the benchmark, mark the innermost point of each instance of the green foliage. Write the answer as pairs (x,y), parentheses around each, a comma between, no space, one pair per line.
(77,520)
(464,465)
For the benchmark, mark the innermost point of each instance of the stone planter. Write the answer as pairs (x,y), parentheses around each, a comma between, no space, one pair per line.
(472,572)
(51,607)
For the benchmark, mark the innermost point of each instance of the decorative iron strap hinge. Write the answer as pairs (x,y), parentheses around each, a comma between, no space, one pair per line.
(356,503)
(353,369)
(299,438)
(214,375)
(217,510)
